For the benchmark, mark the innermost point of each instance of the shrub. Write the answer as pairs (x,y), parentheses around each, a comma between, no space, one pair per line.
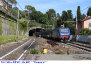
(60,52)
(34,51)
(0,27)
(85,31)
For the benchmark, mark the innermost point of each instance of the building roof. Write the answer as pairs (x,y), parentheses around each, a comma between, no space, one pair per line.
(87,18)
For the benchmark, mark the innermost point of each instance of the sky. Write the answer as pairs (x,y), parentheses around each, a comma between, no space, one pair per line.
(57,5)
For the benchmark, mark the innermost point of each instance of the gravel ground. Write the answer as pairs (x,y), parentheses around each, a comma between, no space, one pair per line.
(15,55)
(39,44)
(75,53)
(5,48)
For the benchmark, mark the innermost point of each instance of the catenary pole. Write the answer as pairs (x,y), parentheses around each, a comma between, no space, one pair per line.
(17,26)
(76,23)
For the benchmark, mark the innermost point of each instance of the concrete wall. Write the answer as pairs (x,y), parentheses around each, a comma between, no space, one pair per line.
(83,38)
(7,28)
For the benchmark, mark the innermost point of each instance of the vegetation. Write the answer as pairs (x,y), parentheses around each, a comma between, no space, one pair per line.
(14,11)
(34,51)
(69,15)
(89,12)
(71,26)
(85,31)
(8,39)
(50,18)
(0,27)
(23,26)
(30,8)
(78,13)
(83,16)
(60,52)
(12,2)
(31,24)
(64,16)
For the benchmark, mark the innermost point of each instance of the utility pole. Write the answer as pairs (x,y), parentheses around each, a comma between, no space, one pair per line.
(17,33)
(27,23)
(76,23)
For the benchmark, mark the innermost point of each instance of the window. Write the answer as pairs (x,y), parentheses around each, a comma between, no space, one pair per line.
(89,24)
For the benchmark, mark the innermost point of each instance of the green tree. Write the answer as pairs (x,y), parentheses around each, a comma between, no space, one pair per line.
(39,17)
(83,16)
(59,21)
(78,13)
(12,2)
(69,15)
(64,16)
(71,25)
(14,11)
(89,12)
(30,8)
(58,16)
(23,25)
(51,14)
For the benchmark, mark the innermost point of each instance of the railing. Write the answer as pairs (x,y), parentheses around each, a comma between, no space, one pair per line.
(84,38)
(8,13)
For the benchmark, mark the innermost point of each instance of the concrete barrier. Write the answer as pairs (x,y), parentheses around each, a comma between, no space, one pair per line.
(83,38)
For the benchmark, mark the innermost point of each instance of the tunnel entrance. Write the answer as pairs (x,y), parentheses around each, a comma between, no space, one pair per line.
(32,32)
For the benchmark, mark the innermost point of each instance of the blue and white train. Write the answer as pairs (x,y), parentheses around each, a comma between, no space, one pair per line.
(58,33)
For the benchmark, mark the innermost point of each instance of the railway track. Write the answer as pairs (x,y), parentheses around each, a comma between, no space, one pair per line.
(80,46)
(18,52)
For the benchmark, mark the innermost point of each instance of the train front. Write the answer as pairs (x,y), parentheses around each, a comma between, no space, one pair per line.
(64,33)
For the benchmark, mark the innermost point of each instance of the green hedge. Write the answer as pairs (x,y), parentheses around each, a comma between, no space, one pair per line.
(85,31)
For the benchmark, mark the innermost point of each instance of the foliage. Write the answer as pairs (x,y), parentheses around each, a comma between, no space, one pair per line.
(39,17)
(10,38)
(24,14)
(1,6)
(34,51)
(30,8)
(89,12)
(14,11)
(59,21)
(59,52)
(23,25)
(83,16)
(64,16)
(0,27)
(12,25)
(78,13)
(71,26)
(31,24)
(85,31)
(12,1)
(51,14)
(69,15)
(58,16)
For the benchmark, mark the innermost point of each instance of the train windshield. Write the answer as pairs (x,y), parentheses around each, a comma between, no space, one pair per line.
(64,31)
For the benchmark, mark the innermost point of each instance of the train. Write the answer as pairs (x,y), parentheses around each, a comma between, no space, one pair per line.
(59,33)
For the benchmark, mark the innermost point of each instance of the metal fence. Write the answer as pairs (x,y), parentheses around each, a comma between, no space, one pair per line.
(84,38)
